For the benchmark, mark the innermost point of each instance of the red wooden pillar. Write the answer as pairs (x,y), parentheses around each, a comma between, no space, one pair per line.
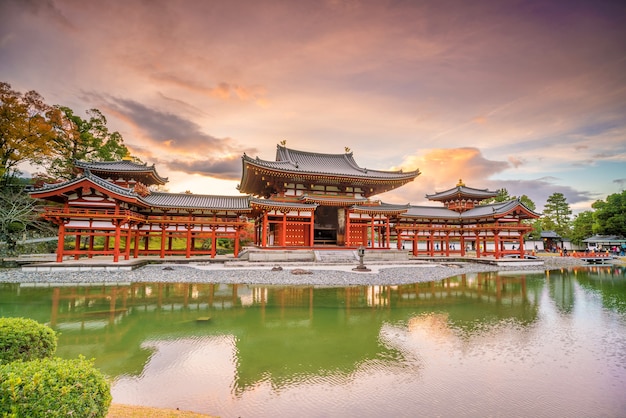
(91,238)
(496,244)
(372,231)
(128,240)
(264,231)
(431,243)
(77,246)
(188,241)
(477,245)
(447,240)
(348,234)
(118,238)
(61,242)
(283,233)
(237,234)
(213,242)
(388,234)
(462,243)
(398,239)
(416,242)
(163,239)
(146,242)
(521,244)
(137,239)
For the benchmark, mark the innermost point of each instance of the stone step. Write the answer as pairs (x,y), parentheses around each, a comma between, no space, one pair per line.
(330,256)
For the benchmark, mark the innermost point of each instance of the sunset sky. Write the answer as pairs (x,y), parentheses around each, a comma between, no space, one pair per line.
(521,94)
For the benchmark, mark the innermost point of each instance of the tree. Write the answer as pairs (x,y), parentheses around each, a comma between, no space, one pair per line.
(502,196)
(82,139)
(25,130)
(610,216)
(18,215)
(556,215)
(528,202)
(582,226)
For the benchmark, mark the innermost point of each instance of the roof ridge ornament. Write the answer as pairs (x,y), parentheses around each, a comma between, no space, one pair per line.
(460,183)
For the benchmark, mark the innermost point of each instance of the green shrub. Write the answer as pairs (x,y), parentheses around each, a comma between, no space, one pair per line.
(53,388)
(25,339)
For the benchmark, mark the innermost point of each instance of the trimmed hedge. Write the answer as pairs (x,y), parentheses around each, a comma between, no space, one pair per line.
(53,388)
(25,339)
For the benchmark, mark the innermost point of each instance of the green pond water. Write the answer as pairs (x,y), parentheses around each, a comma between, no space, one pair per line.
(545,344)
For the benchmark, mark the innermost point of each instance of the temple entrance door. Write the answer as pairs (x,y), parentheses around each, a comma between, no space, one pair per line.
(326,225)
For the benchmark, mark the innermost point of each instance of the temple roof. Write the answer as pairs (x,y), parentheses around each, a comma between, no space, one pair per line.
(332,200)
(281,205)
(149,173)
(380,207)
(55,191)
(161,200)
(491,211)
(316,167)
(461,191)
(197,201)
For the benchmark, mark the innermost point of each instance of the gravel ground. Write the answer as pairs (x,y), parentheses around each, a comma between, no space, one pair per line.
(279,274)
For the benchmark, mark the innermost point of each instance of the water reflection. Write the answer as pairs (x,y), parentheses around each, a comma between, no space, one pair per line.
(529,341)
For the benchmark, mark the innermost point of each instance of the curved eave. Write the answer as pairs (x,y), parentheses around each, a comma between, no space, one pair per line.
(331,201)
(382,208)
(280,205)
(255,177)
(192,202)
(58,193)
(123,167)
(462,192)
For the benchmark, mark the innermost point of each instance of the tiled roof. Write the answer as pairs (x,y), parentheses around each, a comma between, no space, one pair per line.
(332,199)
(430,212)
(380,208)
(463,192)
(605,239)
(91,177)
(122,166)
(294,161)
(482,211)
(550,234)
(282,204)
(197,201)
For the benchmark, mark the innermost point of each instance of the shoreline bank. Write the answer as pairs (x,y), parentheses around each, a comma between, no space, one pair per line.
(288,274)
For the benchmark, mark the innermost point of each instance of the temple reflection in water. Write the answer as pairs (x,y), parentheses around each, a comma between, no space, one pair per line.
(282,332)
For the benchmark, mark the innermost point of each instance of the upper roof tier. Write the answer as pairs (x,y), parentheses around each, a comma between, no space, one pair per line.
(125,168)
(461,191)
(264,178)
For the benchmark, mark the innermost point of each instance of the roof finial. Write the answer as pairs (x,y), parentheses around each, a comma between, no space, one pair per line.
(127,157)
(460,183)
(347,150)
(283,142)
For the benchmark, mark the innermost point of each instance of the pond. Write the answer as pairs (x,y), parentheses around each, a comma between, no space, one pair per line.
(483,344)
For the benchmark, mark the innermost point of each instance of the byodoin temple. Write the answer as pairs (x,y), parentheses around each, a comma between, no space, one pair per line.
(301,200)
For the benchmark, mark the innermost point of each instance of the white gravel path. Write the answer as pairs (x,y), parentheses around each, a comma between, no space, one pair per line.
(310,274)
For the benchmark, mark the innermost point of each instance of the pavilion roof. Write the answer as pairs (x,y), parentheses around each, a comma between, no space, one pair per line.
(380,207)
(197,201)
(55,191)
(148,173)
(483,212)
(332,200)
(461,191)
(316,167)
(281,204)
(160,200)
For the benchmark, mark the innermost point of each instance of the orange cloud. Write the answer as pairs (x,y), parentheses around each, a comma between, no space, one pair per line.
(442,168)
